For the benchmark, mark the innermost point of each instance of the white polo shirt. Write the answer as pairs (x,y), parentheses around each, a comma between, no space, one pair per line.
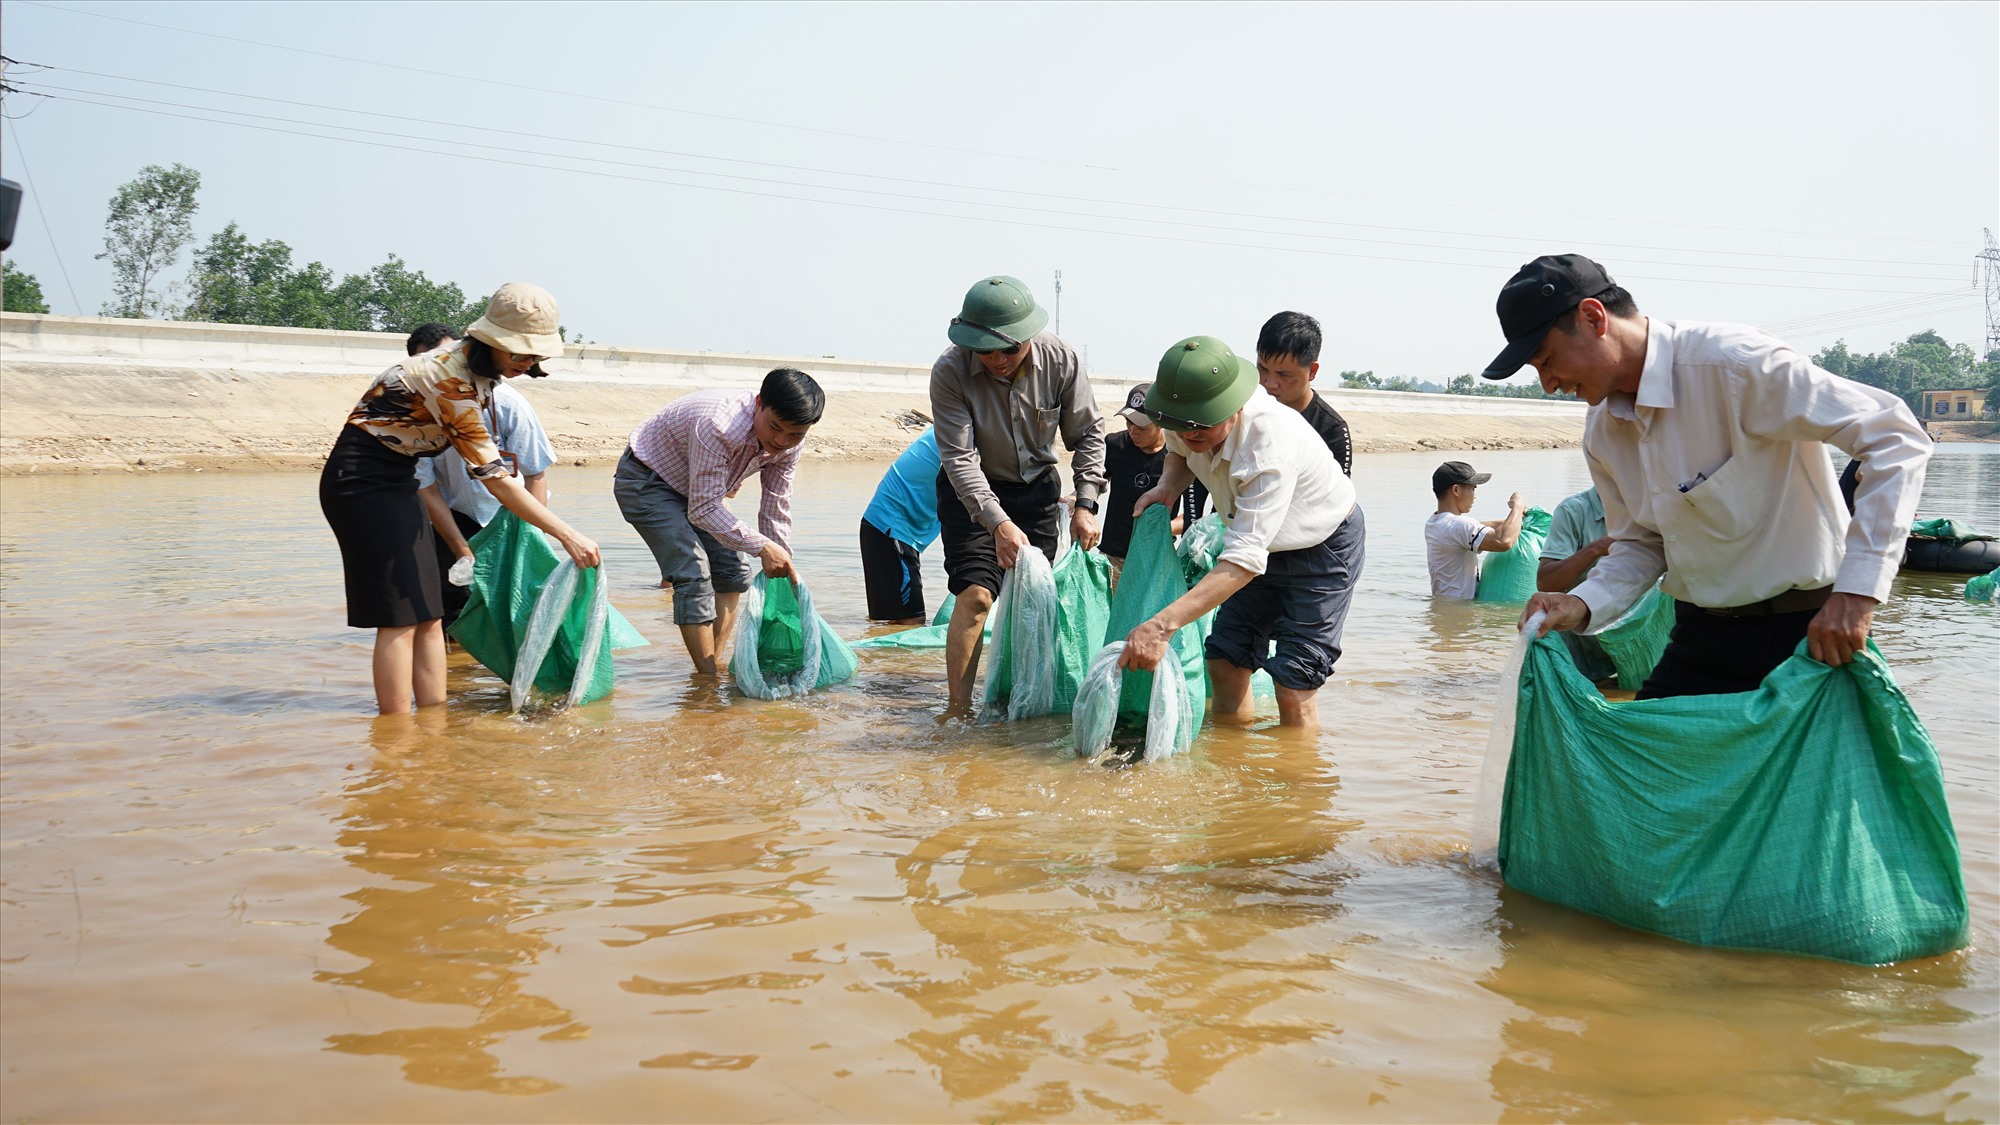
(1451,546)
(1274,481)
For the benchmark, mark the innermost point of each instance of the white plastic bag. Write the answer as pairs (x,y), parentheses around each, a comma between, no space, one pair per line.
(1170,725)
(1499,752)
(550,607)
(460,573)
(1023,664)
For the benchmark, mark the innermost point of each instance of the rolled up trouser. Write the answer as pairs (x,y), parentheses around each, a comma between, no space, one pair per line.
(1300,601)
(697,563)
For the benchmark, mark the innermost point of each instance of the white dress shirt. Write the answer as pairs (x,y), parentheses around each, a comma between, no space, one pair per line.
(1274,481)
(1715,474)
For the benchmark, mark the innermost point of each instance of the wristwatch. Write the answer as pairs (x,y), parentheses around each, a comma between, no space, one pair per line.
(1087,506)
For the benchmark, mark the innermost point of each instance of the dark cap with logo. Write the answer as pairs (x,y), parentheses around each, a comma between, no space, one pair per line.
(1456,472)
(1534,297)
(1134,409)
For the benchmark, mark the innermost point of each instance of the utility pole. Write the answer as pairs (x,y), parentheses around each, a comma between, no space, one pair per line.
(1989,282)
(1989,314)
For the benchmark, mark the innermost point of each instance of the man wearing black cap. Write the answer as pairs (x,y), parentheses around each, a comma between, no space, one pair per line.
(1707,444)
(1453,539)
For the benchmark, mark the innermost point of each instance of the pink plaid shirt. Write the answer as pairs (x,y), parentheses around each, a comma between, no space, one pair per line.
(702,446)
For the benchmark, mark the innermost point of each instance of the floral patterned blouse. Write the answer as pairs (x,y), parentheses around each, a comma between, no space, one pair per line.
(428,403)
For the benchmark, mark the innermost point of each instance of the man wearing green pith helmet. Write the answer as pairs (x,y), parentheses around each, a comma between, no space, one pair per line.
(1000,396)
(1294,543)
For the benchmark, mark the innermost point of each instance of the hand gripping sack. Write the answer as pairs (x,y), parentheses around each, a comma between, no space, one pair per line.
(1807,816)
(782,647)
(1170,716)
(1509,576)
(1152,579)
(1046,627)
(537,621)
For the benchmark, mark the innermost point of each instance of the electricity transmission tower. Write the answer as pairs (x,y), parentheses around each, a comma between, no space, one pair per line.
(1989,284)
(1989,315)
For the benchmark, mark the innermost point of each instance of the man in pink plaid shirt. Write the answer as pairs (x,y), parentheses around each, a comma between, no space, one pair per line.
(674,481)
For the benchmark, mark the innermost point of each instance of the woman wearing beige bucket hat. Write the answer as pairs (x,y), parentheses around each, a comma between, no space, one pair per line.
(419,408)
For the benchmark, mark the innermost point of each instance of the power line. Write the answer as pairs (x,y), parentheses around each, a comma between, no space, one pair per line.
(1906,304)
(1905,318)
(431,150)
(49,234)
(919,198)
(459,125)
(429,72)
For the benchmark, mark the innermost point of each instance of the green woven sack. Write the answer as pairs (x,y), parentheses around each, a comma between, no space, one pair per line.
(1151,580)
(1509,575)
(1956,531)
(1082,606)
(1634,643)
(781,636)
(1807,816)
(784,648)
(1979,588)
(512,564)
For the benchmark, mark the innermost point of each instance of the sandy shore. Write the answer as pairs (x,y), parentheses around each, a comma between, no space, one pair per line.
(63,418)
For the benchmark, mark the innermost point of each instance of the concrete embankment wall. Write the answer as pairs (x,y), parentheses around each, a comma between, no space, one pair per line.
(91,393)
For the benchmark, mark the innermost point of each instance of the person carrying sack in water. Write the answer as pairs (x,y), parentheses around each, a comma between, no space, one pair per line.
(457,507)
(1001,395)
(368,490)
(1294,539)
(673,483)
(1707,444)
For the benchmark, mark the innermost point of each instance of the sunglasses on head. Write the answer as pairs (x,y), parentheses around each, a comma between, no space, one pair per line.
(1013,347)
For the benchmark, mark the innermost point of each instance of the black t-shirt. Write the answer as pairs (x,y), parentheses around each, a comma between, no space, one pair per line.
(1332,430)
(1132,471)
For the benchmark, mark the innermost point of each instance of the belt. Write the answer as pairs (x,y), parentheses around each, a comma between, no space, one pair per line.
(1791,601)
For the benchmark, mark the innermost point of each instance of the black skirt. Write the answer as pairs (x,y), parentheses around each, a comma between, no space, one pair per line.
(369,494)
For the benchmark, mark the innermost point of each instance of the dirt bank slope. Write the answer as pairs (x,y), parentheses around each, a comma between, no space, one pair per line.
(60,417)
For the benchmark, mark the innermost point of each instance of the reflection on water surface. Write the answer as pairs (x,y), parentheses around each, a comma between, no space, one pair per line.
(232,893)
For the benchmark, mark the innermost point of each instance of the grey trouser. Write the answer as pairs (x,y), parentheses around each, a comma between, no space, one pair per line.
(697,563)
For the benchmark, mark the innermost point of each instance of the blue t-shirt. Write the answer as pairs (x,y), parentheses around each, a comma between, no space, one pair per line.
(515,430)
(905,504)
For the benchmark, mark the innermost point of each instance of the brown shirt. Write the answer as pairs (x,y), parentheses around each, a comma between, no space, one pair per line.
(994,430)
(431,402)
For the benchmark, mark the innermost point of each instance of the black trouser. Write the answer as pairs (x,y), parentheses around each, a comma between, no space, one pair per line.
(892,573)
(1710,654)
(454,596)
(970,556)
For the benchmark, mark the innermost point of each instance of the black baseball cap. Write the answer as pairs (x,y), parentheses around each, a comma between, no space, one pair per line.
(1456,472)
(1534,297)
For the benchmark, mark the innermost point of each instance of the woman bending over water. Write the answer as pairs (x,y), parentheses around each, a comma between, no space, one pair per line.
(369,488)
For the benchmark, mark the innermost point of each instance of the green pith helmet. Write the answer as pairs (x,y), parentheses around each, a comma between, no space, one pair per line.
(1200,383)
(999,312)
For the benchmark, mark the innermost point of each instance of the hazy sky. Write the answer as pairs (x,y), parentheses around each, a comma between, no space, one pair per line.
(828,179)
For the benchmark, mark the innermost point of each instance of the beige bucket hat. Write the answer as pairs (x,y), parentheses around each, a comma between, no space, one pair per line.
(521,319)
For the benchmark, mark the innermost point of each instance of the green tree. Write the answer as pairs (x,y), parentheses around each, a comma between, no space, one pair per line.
(22,292)
(399,298)
(150,223)
(1360,381)
(236,281)
(1923,362)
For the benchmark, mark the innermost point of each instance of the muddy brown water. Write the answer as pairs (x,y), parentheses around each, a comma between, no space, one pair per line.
(228,892)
